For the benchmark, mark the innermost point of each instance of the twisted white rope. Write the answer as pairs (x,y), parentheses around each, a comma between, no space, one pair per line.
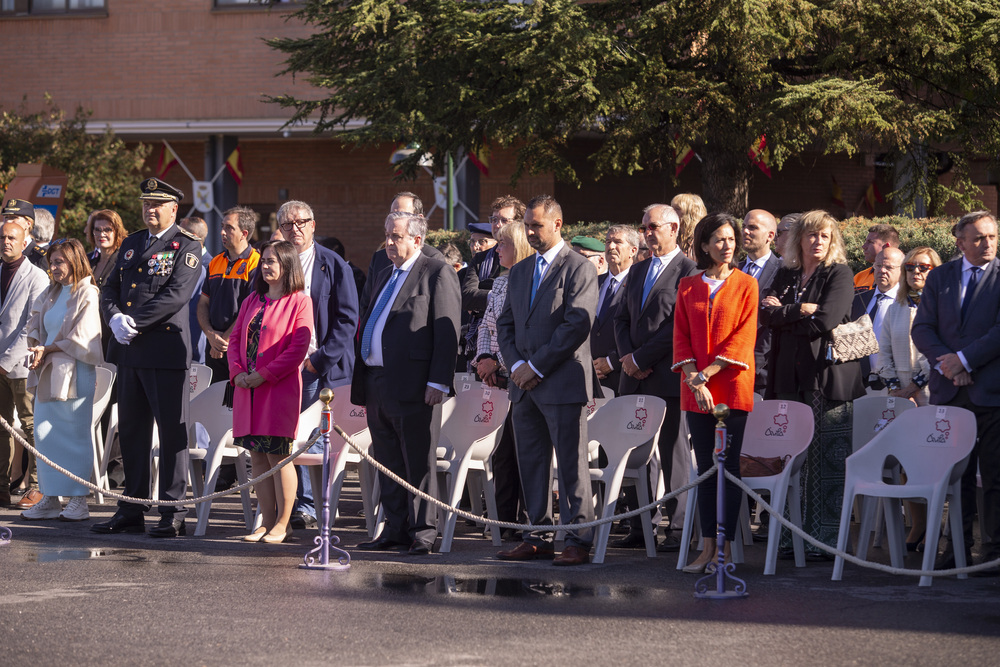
(848,557)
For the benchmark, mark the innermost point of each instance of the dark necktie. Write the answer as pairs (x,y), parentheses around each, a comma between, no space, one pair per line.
(608,295)
(751,268)
(970,289)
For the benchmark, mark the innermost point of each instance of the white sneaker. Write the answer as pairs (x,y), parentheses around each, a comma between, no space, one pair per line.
(46,508)
(76,510)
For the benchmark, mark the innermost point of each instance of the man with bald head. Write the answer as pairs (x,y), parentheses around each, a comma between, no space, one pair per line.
(759,230)
(887,269)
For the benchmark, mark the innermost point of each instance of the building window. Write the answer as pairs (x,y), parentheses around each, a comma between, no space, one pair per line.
(30,7)
(257,3)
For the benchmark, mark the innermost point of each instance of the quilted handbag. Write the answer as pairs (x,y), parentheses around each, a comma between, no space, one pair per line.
(852,340)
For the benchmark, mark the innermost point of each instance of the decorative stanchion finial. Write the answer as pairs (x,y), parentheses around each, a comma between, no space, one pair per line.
(326,541)
(5,535)
(720,570)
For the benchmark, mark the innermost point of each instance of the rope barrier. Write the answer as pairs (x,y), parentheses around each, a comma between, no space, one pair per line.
(848,557)
(147,501)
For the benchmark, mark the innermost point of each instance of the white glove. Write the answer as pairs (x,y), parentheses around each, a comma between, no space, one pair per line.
(123,327)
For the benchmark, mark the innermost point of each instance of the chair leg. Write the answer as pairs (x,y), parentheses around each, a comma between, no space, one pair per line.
(868,515)
(245,500)
(795,514)
(489,490)
(779,499)
(894,531)
(686,534)
(844,534)
(648,529)
(744,522)
(604,530)
(935,511)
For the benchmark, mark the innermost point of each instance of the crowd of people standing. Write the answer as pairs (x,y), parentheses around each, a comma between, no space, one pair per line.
(693,307)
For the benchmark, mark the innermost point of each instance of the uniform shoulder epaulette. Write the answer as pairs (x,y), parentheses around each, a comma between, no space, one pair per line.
(41,251)
(188,234)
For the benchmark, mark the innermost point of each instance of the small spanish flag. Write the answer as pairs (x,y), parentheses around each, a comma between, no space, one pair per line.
(684,155)
(838,194)
(760,155)
(234,163)
(481,158)
(167,160)
(873,195)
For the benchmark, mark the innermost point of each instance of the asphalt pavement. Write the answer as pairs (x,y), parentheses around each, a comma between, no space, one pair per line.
(72,597)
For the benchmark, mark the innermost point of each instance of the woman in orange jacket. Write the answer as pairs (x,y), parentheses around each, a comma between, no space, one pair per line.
(715,329)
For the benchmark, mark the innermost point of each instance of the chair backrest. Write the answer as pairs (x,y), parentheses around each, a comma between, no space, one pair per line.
(778,428)
(209,411)
(874,413)
(477,413)
(200,378)
(626,422)
(595,403)
(102,395)
(465,382)
(929,444)
(308,420)
(352,418)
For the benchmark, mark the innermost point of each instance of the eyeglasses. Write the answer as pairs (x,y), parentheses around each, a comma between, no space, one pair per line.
(500,220)
(923,268)
(652,228)
(297,224)
(101,231)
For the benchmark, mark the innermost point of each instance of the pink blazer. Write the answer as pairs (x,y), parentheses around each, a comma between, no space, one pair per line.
(284,342)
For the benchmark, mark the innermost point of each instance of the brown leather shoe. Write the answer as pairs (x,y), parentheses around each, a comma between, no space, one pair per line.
(525,551)
(30,499)
(572,555)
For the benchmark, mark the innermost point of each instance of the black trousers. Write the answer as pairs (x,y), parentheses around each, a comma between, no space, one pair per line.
(401,441)
(669,433)
(985,455)
(145,394)
(702,429)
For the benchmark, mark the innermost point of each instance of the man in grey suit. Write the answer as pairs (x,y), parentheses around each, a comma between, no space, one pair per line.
(544,333)
(21,282)
(404,367)
(759,229)
(644,330)
(957,327)
(621,243)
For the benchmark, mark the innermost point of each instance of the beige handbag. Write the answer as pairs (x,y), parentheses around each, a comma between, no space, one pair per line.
(852,340)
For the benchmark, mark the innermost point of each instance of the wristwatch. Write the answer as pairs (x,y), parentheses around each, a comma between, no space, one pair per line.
(702,378)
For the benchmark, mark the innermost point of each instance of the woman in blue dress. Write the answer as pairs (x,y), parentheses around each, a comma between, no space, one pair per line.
(64,333)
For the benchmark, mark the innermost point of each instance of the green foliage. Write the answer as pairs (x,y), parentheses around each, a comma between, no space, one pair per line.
(919,80)
(913,232)
(102,171)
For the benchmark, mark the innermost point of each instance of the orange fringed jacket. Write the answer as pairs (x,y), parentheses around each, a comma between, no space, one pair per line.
(730,334)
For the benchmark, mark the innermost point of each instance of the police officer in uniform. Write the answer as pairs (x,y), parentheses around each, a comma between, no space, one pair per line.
(23,212)
(145,302)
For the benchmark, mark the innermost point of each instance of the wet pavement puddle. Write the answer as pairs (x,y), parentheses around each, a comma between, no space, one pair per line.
(57,555)
(507,587)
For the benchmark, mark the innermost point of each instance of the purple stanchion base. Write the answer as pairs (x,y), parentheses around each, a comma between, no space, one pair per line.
(5,535)
(720,571)
(318,558)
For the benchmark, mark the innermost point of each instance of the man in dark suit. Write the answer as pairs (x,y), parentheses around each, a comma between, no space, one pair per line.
(644,331)
(957,327)
(406,365)
(404,202)
(888,268)
(759,230)
(330,362)
(145,303)
(543,334)
(621,245)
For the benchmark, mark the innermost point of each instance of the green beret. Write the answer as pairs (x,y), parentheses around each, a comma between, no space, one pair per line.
(587,243)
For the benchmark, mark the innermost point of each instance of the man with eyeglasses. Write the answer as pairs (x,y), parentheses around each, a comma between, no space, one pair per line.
(887,269)
(956,328)
(644,332)
(330,362)
(145,303)
(403,202)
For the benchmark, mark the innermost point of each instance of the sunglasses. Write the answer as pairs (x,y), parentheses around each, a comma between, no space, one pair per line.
(923,268)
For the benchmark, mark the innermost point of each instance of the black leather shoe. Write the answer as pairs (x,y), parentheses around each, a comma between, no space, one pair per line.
(946,559)
(670,544)
(382,544)
(168,527)
(120,523)
(301,520)
(420,548)
(630,541)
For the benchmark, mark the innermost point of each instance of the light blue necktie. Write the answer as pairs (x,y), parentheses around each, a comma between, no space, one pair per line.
(537,278)
(651,276)
(383,301)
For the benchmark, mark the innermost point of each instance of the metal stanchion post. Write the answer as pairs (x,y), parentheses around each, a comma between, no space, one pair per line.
(720,570)
(5,535)
(326,540)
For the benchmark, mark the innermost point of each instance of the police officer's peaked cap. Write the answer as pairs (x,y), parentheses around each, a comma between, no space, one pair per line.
(19,207)
(481,228)
(156,190)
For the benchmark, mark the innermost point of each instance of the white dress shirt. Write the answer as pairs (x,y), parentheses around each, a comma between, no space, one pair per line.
(549,256)
(307,259)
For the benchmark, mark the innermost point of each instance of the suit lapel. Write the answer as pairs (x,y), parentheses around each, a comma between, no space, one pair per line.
(665,278)
(984,285)
(410,282)
(550,273)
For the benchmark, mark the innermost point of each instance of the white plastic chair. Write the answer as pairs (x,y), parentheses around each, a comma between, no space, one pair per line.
(627,429)
(102,396)
(871,415)
(933,445)
(468,437)
(775,428)
(217,420)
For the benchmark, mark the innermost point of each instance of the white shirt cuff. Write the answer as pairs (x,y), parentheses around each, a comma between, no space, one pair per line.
(440,387)
(964,362)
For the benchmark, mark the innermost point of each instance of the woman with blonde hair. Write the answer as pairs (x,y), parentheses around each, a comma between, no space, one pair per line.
(690,209)
(64,337)
(811,295)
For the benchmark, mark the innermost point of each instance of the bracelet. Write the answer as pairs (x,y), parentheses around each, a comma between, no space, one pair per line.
(702,378)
